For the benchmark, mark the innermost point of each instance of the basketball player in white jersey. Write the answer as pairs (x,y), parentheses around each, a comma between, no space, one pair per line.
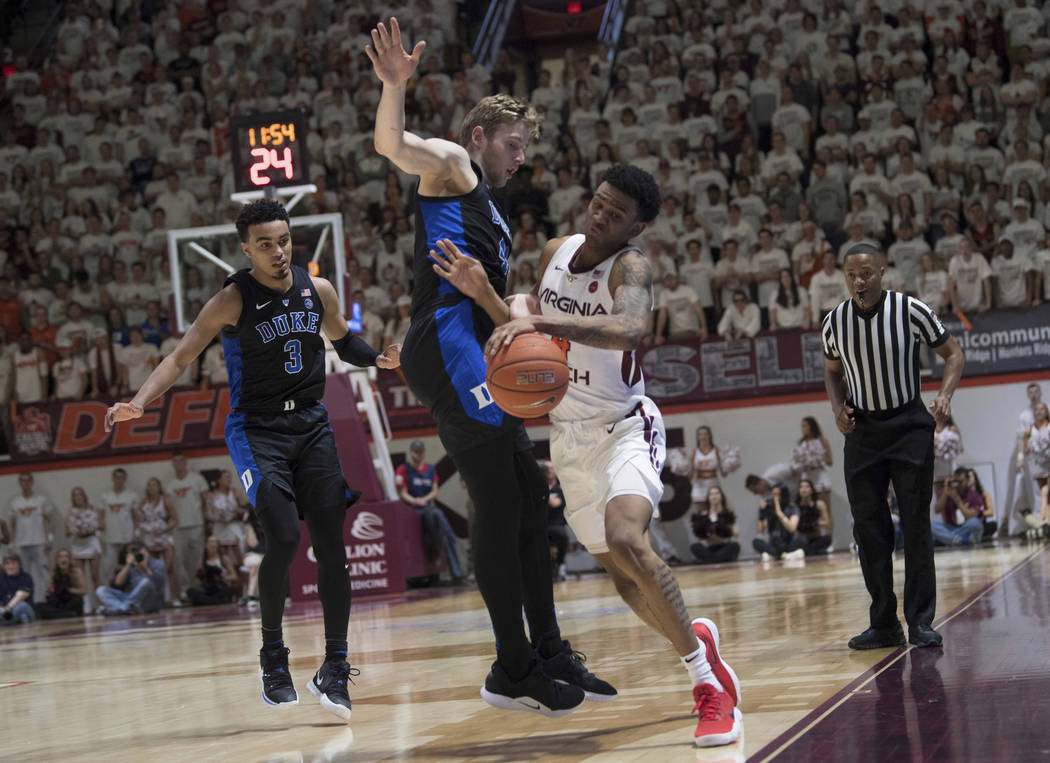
(607,442)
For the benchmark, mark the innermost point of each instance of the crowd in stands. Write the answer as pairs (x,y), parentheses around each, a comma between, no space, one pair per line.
(780,133)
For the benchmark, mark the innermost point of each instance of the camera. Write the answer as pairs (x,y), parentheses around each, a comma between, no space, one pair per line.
(139,557)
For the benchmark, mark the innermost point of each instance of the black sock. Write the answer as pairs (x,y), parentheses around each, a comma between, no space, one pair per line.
(272,638)
(550,644)
(334,649)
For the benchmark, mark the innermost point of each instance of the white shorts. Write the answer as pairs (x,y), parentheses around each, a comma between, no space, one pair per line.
(598,462)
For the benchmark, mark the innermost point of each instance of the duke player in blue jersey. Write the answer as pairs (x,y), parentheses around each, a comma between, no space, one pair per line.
(270,317)
(444,366)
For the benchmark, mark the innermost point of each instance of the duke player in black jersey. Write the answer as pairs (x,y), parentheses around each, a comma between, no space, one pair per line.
(271,316)
(444,366)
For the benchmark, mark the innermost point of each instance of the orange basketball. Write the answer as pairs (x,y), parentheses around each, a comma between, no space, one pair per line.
(528,377)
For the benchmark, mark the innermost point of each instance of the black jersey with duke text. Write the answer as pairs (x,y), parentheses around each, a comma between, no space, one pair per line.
(443,353)
(275,353)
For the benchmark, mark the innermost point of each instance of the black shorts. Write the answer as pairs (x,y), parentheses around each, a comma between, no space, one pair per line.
(443,362)
(295,452)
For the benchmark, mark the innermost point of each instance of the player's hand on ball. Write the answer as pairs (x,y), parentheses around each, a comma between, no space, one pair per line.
(462,271)
(392,64)
(121,412)
(503,335)
(390,357)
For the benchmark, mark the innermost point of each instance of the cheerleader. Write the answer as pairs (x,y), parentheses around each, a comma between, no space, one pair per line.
(810,458)
(1037,454)
(814,520)
(83,524)
(947,445)
(705,467)
(155,521)
(224,511)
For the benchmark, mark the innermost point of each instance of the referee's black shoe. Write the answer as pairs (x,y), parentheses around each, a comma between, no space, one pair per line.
(536,692)
(923,635)
(277,686)
(567,667)
(329,685)
(878,638)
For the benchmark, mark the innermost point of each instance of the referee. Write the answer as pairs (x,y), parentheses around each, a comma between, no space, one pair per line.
(871,341)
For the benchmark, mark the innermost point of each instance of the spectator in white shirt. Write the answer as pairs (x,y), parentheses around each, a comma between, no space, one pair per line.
(790,308)
(970,280)
(137,360)
(1010,271)
(69,373)
(732,273)
(1024,233)
(178,204)
(30,371)
(679,312)
(827,288)
(1041,272)
(794,121)
(741,319)
(766,264)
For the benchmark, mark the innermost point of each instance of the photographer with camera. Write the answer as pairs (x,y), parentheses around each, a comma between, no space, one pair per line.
(138,586)
(962,508)
(16,593)
(779,517)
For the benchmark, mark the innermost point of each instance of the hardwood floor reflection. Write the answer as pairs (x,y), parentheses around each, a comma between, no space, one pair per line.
(182,685)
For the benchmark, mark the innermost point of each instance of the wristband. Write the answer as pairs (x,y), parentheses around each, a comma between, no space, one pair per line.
(355,351)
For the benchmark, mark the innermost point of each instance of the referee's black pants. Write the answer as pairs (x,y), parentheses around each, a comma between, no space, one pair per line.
(898,446)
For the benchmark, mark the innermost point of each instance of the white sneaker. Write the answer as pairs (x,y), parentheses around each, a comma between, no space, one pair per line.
(767,557)
(798,553)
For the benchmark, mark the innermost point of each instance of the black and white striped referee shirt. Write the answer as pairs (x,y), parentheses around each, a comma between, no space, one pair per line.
(879,348)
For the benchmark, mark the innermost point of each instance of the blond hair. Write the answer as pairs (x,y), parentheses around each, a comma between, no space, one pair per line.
(495,110)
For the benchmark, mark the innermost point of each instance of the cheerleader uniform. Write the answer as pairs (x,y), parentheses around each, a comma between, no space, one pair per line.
(153,530)
(226,528)
(805,455)
(705,467)
(84,546)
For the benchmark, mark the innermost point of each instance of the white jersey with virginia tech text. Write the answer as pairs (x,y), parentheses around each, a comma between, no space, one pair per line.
(604,385)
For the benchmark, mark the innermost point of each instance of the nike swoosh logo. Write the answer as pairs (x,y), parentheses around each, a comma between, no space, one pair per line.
(531,707)
(264,304)
(558,267)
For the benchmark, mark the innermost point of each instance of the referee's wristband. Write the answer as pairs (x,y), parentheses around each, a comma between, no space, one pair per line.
(355,351)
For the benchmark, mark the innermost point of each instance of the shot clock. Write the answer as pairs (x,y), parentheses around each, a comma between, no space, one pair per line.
(269,150)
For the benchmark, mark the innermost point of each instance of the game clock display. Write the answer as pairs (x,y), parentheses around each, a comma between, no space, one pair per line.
(269,150)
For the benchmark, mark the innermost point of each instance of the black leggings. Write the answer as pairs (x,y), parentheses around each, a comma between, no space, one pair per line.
(279,518)
(558,536)
(715,553)
(512,560)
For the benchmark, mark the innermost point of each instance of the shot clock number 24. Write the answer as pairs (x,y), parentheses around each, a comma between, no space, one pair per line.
(269,149)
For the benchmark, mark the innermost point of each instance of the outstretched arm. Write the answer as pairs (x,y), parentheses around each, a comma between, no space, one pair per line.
(350,347)
(224,309)
(436,161)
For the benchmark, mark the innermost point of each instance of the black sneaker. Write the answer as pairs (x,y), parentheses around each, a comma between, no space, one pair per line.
(277,686)
(536,692)
(924,636)
(567,667)
(878,638)
(329,685)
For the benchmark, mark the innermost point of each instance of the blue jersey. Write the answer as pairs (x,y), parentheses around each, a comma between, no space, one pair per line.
(275,353)
(443,354)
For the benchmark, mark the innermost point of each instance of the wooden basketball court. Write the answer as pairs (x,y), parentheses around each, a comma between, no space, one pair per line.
(182,685)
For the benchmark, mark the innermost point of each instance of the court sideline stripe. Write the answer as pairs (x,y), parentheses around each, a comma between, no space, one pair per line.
(815,716)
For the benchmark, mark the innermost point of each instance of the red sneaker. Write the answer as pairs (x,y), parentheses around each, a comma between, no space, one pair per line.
(707,632)
(719,722)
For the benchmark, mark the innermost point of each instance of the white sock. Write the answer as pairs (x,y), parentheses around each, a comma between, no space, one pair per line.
(699,668)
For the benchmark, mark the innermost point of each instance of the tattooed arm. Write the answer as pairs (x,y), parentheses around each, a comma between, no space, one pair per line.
(630,283)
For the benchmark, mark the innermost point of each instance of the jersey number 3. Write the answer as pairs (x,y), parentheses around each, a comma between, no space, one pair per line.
(295,357)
